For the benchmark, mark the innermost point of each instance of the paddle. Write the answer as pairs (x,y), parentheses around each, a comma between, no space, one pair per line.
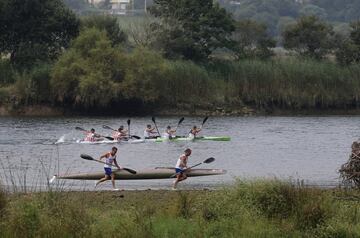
(180,121)
(207,161)
(108,127)
(153,119)
(205,119)
(128,122)
(88,157)
(82,129)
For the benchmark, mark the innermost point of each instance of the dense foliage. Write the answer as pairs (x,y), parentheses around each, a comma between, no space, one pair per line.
(192,29)
(276,13)
(35,30)
(309,36)
(190,55)
(248,209)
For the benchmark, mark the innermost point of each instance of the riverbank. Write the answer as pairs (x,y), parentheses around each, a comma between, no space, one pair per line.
(49,111)
(248,209)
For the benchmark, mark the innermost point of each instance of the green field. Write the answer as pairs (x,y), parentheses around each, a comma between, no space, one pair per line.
(247,209)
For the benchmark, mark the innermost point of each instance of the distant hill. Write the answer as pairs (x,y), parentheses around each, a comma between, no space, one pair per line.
(278,13)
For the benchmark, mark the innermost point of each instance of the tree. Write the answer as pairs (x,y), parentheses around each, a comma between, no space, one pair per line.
(252,40)
(192,29)
(90,72)
(313,10)
(309,37)
(349,49)
(144,77)
(32,30)
(107,23)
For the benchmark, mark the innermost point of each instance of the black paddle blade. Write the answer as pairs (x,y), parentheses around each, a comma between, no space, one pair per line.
(128,122)
(209,160)
(181,120)
(109,138)
(79,129)
(153,119)
(130,170)
(205,119)
(106,127)
(136,137)
(87,157)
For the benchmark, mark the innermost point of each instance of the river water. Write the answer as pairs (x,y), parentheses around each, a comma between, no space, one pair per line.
(311,149)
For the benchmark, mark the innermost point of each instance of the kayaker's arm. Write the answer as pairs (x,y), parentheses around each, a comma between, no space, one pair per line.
(183,162)
(116,164)
(103,156)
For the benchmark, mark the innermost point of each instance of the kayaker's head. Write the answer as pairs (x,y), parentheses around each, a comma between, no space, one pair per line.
(148,126)
(121,128)
(113,150)
(92,130)
(187,152)
(168,127)
(194,127)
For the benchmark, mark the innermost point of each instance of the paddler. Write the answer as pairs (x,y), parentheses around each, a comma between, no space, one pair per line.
(120,134)
(150,132)
(169,133)
(110,158)
(181,167)
(92,136)
(194,131)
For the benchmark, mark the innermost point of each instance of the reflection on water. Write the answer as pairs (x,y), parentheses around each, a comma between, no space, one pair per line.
(298,148)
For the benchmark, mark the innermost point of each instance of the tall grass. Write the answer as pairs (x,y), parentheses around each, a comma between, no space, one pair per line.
(247,209)
(281,83)
(293,84)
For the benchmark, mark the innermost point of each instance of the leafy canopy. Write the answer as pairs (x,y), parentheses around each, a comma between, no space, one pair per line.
(90,72)
(32,30)
(192,29)
(309,36)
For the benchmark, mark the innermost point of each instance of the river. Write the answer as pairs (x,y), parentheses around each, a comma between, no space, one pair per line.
(311,149)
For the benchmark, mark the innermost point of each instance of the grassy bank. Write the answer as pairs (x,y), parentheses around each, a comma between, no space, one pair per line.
(222,88)
(248,209)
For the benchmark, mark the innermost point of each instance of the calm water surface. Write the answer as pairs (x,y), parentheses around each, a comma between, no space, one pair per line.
(305,148)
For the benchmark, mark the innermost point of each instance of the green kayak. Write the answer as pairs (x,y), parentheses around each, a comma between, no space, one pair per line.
(202,138)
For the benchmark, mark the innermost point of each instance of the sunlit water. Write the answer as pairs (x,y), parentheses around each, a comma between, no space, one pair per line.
(297,148)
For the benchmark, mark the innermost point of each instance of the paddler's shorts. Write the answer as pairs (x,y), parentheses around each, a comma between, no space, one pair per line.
(179,171)
(108,171)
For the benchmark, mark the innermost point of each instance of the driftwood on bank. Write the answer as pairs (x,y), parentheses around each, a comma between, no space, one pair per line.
(350,171)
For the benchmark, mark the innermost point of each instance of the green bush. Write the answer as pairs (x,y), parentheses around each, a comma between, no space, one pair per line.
(7,74)
(32,86)
(90,72)
(3,201)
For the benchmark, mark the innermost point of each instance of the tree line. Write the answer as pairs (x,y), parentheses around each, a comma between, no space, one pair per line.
(188,54)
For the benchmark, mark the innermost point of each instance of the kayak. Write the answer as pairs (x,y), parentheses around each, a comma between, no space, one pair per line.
(202,138)
(156,173)
(132,141)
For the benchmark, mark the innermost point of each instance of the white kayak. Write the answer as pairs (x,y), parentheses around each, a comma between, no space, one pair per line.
(131,141)
(156,173)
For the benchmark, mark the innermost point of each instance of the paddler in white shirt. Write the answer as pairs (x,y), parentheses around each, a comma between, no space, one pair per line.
(91,136)
(150,132)
(110,158)
(169,133)
(181,167)
(194,131)
(120,134)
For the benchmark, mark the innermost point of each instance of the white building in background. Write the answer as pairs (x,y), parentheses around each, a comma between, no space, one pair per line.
(94,2)
(120,7)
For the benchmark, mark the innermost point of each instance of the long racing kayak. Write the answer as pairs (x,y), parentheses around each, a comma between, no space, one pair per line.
(201,138)
(156,173)
(131,141)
